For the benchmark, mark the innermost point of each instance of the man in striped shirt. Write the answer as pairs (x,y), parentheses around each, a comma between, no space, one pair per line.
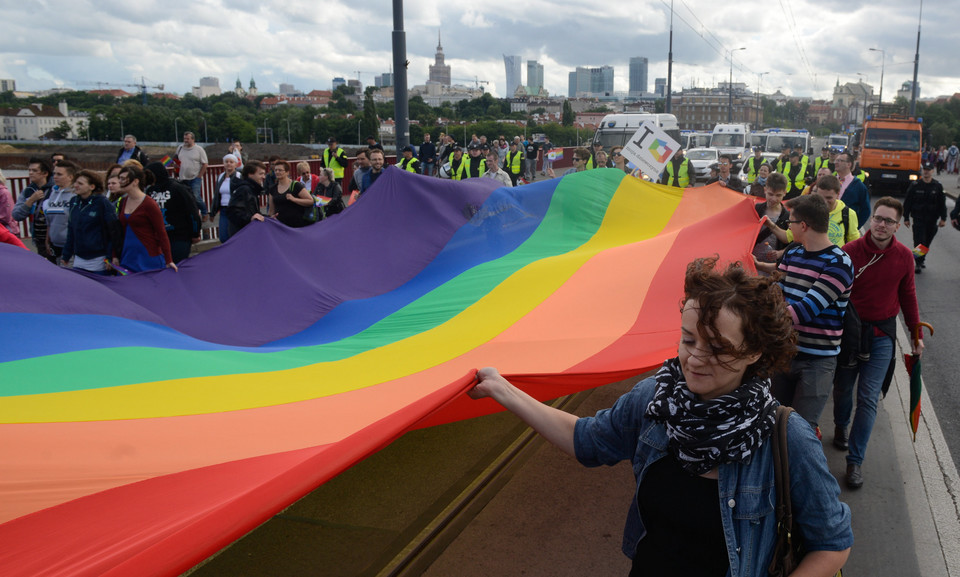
(816,285)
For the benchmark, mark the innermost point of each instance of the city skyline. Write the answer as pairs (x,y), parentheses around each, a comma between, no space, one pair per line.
(812,45)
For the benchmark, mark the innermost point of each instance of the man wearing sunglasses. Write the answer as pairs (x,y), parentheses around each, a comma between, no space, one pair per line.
(884,286)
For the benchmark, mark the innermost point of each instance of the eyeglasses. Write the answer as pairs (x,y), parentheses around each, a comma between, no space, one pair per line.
(575,159)
(886,221)
(794,221)
(617,155)
(724,164)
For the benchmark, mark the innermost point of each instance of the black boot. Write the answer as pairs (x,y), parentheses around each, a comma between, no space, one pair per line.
(840,439)
(854,477)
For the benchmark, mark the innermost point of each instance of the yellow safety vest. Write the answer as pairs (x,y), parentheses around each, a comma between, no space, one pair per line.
(332,163)
(819,163)
(463,171)
(513,164)
(681,180)
(753,166)
(409,164)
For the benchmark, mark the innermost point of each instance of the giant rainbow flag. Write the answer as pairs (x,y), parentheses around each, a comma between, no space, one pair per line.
(147,421)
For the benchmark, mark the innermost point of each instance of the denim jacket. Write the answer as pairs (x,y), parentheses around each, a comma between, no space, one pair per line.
(747,494)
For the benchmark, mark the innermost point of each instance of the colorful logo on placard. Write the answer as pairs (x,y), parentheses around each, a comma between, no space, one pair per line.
(660,150)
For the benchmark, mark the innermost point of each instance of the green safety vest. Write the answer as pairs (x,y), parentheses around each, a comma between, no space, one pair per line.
(513,164)
(682,179)
(330,161)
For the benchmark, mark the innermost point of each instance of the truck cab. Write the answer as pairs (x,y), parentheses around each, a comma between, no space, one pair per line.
(890,151)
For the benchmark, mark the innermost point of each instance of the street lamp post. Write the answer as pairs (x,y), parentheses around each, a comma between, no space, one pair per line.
(176,130)
(883,62)
(730,84)
(759,77)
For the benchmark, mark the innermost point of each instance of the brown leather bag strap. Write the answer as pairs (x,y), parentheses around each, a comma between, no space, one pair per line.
(781,472)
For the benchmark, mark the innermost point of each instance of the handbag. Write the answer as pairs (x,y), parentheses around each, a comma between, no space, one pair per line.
(788,550)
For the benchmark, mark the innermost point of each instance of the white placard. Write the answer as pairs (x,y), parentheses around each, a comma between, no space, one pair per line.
(650,148)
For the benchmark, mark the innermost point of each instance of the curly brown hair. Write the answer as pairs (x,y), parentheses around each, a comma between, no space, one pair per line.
(757,301)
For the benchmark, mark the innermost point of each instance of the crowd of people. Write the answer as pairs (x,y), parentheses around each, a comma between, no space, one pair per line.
(817,321)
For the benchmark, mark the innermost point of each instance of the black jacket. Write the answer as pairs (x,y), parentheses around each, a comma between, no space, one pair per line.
(243,204)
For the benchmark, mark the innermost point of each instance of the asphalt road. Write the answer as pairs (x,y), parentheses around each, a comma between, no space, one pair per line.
(938,295)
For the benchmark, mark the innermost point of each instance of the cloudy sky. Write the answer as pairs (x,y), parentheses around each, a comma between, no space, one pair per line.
(805,46)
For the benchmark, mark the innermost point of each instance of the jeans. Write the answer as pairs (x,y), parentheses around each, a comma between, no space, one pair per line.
(196,185)
(427,168)
(531,169)
(224,231)
(923,232)
(872,374)
(806,386)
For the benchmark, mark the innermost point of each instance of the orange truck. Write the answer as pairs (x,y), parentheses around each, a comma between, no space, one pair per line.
(890,149)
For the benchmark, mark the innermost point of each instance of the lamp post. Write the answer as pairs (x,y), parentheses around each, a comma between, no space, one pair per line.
(176,130)
(883,62)
(759,77)
(730,84)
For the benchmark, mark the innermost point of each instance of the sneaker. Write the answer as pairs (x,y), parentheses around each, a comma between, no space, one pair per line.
(840,439)
(854,477)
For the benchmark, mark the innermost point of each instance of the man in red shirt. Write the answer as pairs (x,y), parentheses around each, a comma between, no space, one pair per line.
(883,286)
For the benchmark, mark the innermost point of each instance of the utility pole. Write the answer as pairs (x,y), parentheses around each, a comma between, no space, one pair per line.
(670,63)
(916,66)
(401,108)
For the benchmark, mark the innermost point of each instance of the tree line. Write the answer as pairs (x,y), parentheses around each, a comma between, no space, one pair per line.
(227,117)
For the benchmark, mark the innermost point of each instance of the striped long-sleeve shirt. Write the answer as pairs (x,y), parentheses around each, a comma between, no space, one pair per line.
(817,286)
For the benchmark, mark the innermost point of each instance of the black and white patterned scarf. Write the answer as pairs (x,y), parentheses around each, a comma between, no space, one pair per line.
(704,434)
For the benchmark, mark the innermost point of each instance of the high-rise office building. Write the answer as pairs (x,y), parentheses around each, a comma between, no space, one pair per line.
(383,80)
(660,87)
(514,74)
(338,82)
(638,75)
(439,72)
(591,82)
(534,76)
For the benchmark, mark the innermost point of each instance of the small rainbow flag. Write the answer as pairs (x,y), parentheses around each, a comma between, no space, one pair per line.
(555,154)
(167,161)
(921,250)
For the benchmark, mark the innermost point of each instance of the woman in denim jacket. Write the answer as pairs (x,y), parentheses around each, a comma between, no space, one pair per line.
(698,437)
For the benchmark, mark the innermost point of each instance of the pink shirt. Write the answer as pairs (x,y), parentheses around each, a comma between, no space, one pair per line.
(844,183)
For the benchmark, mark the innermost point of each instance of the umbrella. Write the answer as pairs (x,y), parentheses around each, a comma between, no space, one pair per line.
(916,382)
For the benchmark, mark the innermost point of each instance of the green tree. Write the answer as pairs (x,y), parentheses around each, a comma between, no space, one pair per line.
(568,115)
(62,131)
(370,124)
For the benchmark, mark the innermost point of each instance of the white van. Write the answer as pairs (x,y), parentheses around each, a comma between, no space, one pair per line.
(615,129)
(779,139)
(733,140)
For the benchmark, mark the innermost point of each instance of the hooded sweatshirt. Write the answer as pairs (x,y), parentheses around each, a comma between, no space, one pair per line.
(176,204)
(57,210)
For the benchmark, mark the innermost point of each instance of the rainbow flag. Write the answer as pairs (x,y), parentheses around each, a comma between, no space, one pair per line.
(147,422)
(555,154)
(920,250)
(167,161)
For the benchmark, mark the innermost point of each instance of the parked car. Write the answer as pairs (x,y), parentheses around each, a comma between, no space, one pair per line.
(702,159)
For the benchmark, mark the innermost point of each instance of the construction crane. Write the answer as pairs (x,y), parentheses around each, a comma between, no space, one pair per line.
(476,81)
(142,86)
